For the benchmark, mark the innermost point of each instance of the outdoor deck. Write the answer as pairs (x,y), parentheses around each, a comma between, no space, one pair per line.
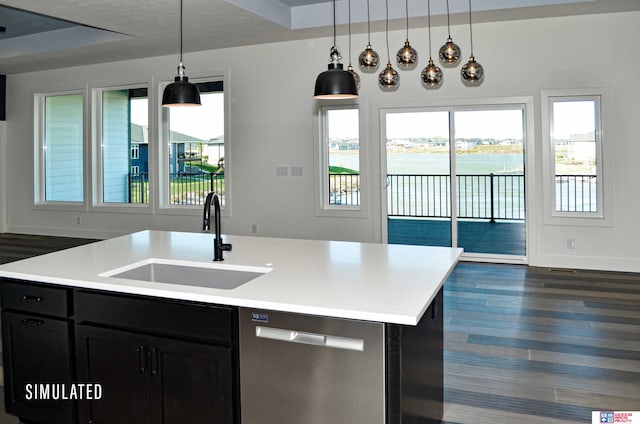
(475,236)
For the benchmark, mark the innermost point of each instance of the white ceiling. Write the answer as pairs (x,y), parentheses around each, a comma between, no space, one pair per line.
(108,30)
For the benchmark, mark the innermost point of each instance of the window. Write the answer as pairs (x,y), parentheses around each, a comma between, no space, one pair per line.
(135,170)
(196,144)
(124,145)
(135,151)
(340,157)
(62,133)
(575,135)
(575,172)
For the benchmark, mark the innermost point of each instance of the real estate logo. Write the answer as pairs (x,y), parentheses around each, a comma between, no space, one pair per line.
(599,417)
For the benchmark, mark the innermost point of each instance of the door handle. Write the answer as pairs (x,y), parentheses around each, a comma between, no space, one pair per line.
(32,322)
(154,362)
(314,339)
(30,299)
(141,364)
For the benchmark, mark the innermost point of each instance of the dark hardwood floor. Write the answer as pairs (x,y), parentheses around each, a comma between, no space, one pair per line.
(14,247)
(535,346)
(522,345)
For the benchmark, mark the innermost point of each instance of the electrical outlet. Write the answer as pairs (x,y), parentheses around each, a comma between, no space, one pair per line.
(254,228)
(571,243)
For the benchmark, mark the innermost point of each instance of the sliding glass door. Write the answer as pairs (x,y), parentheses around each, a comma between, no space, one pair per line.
(455,177)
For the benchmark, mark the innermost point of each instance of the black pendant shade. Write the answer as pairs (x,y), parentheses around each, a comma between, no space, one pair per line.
(335,83)
(181,93)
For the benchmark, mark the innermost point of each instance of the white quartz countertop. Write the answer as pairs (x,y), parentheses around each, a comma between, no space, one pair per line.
(364,281)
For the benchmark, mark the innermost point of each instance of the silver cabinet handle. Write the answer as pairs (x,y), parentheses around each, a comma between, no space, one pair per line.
(292,336)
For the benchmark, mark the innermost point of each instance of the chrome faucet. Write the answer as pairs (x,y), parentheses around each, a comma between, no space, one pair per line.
(218,245)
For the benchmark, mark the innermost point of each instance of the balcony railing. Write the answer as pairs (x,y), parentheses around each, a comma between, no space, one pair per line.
(493,197)
(344,189)
(576,193)
(184,189)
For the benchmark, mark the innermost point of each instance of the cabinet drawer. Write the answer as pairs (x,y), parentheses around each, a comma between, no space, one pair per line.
(156,316)
(36,299)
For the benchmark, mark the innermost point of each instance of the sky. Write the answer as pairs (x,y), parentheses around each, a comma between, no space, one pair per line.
(199,122)
(569,118)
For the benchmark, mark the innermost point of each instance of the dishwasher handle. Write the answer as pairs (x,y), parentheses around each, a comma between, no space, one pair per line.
(315,339)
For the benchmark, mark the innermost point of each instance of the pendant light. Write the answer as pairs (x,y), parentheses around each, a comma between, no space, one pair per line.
(431,75)
(389,77)
(449,52)
(407,56)
(335,83)
(181,92)
(472,72)
(350,67)
(369,58)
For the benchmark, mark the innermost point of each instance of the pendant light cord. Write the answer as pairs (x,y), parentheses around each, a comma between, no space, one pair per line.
(368,24)
(387,29)
(448,20)
(470,28)
(180,31)
(334,23)
(407,9)
(349,14)
(429,23)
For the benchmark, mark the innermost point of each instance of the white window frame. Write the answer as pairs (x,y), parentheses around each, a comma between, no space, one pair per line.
(604,155)
(39,186)
(321,163)
(165,153)
(135,151)
(135,169)
(98,203)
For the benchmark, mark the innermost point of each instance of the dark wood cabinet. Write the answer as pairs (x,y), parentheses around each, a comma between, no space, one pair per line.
(36,350)
(415,368)
(155,367)
(153,380)
(157,361)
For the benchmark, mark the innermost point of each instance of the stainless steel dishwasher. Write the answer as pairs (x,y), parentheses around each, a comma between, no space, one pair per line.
(300,369)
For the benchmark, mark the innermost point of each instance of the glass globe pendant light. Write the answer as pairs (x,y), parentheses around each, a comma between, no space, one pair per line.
(472,72)
(450,51)
(407,56)
(389,78)
(431,75)
(350,68)
(369,58)
(181,92)
(335,83)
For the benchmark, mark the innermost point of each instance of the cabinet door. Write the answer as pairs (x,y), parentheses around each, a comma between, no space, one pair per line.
(117,360)
(190,383)
(36,350)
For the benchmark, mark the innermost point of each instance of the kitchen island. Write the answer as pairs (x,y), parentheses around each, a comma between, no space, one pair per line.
(99,305)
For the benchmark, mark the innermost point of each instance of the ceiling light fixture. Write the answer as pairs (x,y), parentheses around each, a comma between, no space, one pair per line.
(335,83)
(431,75)
(389,77)
(450,51)
(181,92)
(407,56)
(369,58)
(472,72)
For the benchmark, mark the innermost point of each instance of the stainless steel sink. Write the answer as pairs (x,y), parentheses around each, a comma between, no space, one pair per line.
(202,274)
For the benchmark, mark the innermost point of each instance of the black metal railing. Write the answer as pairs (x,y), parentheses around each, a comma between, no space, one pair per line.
(576,193)
(478,196)
(184,188)
(344,189)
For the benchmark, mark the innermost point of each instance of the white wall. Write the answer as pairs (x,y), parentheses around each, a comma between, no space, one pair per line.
(271,109)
